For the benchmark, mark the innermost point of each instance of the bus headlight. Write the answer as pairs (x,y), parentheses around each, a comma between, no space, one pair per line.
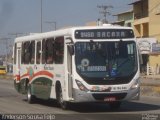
(136,84)
(81,86)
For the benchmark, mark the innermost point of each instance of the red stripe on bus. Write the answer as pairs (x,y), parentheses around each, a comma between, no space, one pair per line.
(25,75)
(43,73)
(38,74)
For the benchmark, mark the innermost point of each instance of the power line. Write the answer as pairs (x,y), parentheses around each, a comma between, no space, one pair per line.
(104,11)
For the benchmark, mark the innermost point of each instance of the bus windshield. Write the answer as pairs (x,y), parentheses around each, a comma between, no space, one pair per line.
(106,62)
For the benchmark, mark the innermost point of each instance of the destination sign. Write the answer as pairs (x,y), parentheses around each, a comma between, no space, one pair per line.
(104,34)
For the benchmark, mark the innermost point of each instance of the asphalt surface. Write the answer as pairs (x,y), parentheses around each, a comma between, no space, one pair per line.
(14,105)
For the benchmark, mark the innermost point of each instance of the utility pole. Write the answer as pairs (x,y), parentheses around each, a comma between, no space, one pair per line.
(104,11)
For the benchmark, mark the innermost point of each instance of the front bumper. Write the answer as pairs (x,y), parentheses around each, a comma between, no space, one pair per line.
(81,96)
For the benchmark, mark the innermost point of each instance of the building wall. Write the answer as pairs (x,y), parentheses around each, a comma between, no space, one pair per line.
(154,28)
(141,9)
(147,25)
(141,19)
(125,19)
(154,7)
(93,23)
(125,16)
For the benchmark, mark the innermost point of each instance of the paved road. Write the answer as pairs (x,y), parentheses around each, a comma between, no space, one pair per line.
(13,103)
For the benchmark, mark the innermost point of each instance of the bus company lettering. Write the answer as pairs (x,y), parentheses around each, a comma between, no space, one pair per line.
(114,34)
(108,34)
(87,34)
(48,67)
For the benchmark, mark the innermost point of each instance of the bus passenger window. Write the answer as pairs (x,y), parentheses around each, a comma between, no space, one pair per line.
(49,51)
(25,53)
(59,50)
(43,51)
(32,52)
(38,53)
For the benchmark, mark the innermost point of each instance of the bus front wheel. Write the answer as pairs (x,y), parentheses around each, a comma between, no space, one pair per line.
(63,104)
(30,97)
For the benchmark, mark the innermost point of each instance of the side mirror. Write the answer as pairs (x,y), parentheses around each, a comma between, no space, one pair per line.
(71,49)
(70,45)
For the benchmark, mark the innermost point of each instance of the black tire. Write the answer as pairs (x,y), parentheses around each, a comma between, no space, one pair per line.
(115,105)
(63,104)
(30,97)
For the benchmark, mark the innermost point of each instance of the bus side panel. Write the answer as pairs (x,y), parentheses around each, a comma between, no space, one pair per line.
(59,75)
(41,87)
(39,79)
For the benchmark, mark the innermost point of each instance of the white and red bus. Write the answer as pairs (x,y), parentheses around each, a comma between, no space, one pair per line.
(79,64)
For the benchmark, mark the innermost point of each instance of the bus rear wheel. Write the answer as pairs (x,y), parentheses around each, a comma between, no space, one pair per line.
(63,104)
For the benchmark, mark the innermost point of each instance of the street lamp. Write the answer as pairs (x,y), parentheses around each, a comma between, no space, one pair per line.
(104,11)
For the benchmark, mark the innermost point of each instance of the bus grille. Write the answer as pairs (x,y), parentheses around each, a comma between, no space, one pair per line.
(118,96)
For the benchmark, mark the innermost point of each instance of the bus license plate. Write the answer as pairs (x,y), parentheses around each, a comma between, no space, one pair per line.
(110,99)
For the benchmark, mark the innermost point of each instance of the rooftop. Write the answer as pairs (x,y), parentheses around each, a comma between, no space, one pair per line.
(129,11)
(135,2)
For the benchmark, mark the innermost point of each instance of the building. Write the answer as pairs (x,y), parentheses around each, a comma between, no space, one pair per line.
(147,28)
(125,18)
(93,23)
(141,18)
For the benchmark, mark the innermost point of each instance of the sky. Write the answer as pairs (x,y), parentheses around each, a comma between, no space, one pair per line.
(24,16)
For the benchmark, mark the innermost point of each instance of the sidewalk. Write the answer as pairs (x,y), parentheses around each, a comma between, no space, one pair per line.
(150,85)
(153,80)
(155,77)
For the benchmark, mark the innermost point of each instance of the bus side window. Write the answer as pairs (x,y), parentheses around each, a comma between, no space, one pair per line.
(50,51)
(59,50)
(32,52)
(38,52)
(25,53)
(43,51)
